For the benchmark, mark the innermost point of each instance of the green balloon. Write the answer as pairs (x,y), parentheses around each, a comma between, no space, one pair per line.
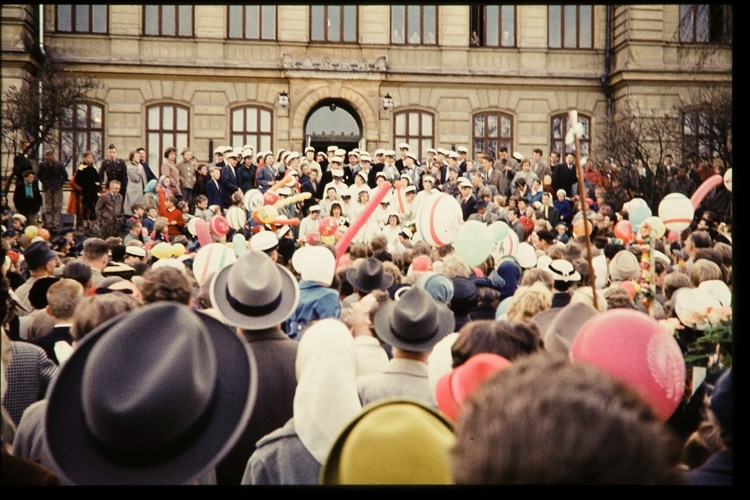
(474,242)
(499,230)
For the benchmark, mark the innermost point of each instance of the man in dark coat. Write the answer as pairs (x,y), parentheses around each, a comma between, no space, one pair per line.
(21,164)
(113,168)
(53,175)
(275,353)
(564,176)
(27,198)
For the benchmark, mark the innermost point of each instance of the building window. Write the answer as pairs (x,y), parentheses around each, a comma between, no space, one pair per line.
(414,24)
(491,131)
(416,129)
(168,20)
(167,125)
(700,138)
(559,129)
(706,24)
(81,18)
(252,126)
(493,26)
(252,22)
(333,23)
(81,129)
(570,26)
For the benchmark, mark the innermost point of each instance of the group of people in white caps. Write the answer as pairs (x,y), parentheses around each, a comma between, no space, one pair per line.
(346,317)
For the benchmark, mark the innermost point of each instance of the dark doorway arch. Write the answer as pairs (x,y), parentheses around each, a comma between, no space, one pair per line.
(333,122)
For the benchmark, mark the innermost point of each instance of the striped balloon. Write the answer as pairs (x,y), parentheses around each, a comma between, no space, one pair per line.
(211,259)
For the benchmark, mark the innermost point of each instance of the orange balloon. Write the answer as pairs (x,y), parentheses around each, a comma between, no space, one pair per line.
(44,234)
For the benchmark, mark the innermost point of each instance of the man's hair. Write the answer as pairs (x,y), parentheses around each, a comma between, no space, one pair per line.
(79,271)
(704,270)
(506,339)
(27,173)
(165,284)
(95,310)
(378,242)
(484,156)
(200,198)
(503,149)
(113,241)
(114,181)
(135,206)
(94,249)
(538,151)
(535,275)
(701,239)
(514,210)
(63,297)
(546,420)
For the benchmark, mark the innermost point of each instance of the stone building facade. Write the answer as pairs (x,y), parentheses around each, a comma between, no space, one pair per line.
(481,77)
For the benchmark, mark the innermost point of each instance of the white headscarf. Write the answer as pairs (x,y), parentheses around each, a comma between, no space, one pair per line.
(326,398)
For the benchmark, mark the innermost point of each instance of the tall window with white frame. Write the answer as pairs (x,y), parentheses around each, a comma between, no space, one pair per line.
(251,22)
(416,128)
(559,129)
(493,26)
(253,126)
(333,23)
(491,130)
(167,125)
(81,128)
(168,20)
(570,26)
(72,18)
(414,24)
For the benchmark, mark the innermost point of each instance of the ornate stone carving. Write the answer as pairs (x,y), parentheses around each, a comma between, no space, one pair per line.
(327,64)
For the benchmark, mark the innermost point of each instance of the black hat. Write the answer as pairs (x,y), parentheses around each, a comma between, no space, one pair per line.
(146,405)
(369,276)
(415,322)
(37,254)
(465,295)
(38,291)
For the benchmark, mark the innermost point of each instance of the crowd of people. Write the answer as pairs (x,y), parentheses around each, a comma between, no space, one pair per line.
(216,324)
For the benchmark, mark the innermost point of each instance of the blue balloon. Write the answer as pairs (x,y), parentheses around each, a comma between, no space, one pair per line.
(637,215)
(239,244)
(474,242)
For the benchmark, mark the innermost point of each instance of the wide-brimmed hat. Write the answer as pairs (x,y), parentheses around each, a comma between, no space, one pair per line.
(563,270)
(37,254)
(561,331)
(383,442)
(254,293)
(136,404)
(416,322)
(369,276)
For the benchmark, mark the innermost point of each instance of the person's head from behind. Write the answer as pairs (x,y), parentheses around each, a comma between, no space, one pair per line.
(94,310)
(63,298)
(166,284)
(509,340)
(96,253)
(79,271)
(558,422)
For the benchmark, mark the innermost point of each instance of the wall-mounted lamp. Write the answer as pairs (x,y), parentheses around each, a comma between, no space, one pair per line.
(387,102)
(283,99)
(332,107)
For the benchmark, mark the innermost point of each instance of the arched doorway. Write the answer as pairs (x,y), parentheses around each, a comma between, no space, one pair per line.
(333,122)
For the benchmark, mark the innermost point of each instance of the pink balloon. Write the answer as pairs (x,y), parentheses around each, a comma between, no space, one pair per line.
(202,232)
(634,348)
(219,225)
(365,214)
(270,198)
(672,236)
(704,189)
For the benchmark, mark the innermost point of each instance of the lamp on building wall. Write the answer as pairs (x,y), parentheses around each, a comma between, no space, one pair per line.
(387,102)
(283,99)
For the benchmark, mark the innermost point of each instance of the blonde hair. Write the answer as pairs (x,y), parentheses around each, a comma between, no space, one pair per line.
(63,298)
(528,301)
(704,270)
(159,224)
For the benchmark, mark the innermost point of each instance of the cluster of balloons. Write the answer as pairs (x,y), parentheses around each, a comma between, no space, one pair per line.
(164,250)
(676,213)
(32,232)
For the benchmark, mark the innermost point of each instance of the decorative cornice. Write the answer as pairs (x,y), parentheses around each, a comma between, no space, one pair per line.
(326,64)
